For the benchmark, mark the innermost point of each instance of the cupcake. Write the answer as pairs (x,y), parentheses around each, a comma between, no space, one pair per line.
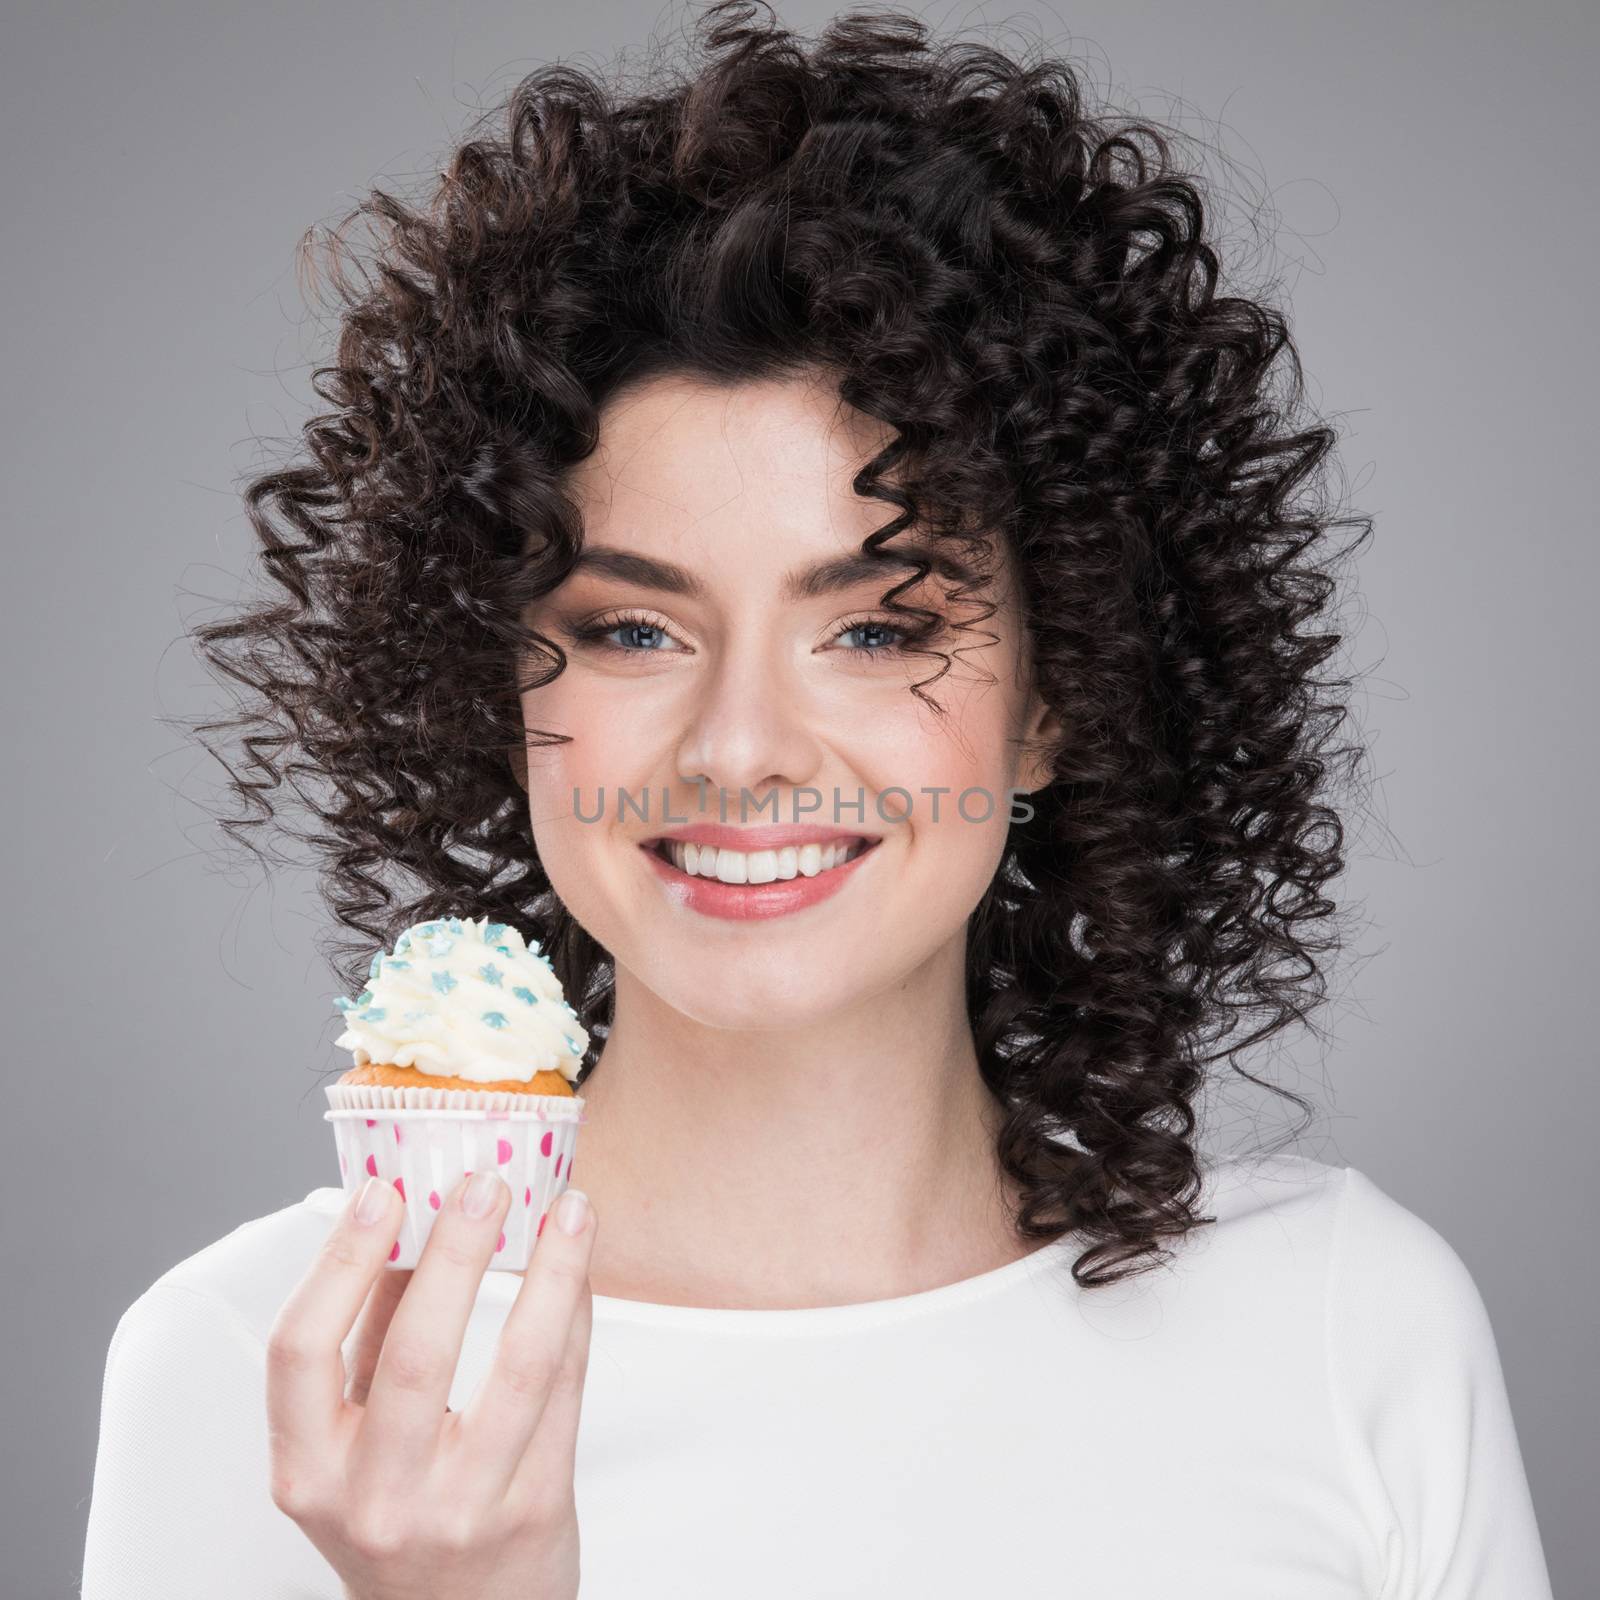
(466,1053)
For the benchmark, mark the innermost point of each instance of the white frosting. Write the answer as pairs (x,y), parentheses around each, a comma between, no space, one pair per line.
(464,999)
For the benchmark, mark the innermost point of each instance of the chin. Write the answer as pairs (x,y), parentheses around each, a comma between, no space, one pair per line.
(754,994)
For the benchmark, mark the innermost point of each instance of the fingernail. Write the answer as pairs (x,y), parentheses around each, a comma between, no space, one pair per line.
(478,1200)
(372,1202)
(572,1211)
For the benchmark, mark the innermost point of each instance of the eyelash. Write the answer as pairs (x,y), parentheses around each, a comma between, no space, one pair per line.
(595,633)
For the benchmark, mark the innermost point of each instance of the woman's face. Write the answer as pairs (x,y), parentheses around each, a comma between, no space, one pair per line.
(704,510)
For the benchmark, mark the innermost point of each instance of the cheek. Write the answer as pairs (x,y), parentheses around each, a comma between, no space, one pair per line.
(610,741)
(572,787)
(958,772)
(576,843)
(965,753)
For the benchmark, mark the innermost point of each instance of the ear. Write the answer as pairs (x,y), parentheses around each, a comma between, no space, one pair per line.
(1040,738)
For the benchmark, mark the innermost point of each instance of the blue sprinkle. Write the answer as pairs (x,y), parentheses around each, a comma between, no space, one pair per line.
(440,945)
(494,1019)
(526,994)
(404,941)
(490,973)
(391,965)
(576,1048)
(455,925)
(493,931)
(377,961)
(504,949)
(443,982)
(342,1004)
(415,1016)
(363,999)
(374,1014)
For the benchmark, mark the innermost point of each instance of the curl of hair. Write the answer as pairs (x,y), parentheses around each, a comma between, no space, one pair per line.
(1024,292)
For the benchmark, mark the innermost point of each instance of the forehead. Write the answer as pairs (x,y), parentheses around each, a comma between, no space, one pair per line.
(685,463)
(735,478)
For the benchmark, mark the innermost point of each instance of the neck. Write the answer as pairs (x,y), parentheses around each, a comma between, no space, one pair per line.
(850,1160)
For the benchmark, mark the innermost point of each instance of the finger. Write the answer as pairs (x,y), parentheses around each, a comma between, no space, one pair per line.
(305,1363)
(554,1447)
(362,1360)
(411,1383)
(376,1315)
(501,1418)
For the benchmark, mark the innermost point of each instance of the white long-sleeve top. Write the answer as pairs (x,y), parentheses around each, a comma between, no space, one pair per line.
(1308,1404)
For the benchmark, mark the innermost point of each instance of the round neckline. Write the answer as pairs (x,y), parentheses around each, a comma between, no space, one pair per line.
(791,1320)
(1219,1176)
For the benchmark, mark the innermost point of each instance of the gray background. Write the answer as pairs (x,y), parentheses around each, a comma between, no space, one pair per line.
(1426,178)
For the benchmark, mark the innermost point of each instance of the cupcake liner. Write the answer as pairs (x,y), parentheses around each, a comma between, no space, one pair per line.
(388,1097)
(424,1141)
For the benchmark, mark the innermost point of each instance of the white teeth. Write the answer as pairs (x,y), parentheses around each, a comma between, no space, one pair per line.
(761,866)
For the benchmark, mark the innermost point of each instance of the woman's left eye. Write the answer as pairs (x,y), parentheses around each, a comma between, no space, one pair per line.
(876,632)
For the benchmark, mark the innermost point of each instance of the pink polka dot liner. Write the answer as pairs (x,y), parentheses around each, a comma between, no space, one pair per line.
(424,1149)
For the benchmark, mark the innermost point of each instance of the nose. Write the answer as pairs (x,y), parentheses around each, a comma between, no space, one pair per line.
(748,727)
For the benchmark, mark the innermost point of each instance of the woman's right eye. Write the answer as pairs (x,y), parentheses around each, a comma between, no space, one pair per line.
(640,635)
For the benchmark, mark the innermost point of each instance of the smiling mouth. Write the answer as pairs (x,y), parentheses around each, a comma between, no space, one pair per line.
(759,866)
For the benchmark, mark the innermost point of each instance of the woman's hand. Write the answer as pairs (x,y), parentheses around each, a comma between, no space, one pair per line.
(407,1499)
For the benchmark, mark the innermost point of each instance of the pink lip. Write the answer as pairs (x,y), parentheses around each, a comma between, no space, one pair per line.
(723,837)
(741,902)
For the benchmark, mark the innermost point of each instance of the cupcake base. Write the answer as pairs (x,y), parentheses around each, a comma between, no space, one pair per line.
(424,1141)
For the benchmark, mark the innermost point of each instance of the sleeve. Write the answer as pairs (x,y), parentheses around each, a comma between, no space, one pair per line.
(1423,1409)
(181,1507)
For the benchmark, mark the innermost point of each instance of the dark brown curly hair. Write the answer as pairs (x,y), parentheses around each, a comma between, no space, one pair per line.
(1025,293)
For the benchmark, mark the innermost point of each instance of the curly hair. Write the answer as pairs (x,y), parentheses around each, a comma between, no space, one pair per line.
(1025,294)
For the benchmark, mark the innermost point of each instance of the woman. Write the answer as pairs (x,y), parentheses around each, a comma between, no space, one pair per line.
(843,452)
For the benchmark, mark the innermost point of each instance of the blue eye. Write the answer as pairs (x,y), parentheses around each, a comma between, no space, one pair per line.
(872,627)
(641,635)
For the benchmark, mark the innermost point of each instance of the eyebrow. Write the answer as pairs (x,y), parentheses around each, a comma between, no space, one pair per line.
(803,583)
